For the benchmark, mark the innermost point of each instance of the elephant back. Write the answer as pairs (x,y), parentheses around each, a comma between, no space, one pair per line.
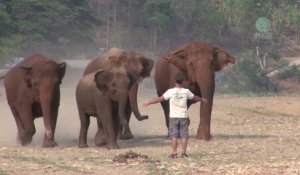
(16,72)
(116,57)
(33,59)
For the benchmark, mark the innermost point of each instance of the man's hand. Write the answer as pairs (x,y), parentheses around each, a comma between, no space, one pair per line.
(146,103)
(203,100)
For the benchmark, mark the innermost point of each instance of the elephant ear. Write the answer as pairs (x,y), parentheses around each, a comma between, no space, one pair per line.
(147,65)
(177,58)
(61,71)
(221,58)
(101,79)
(27,75)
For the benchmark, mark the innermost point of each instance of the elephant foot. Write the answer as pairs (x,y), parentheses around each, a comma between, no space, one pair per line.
(124,130)
(24,139)
(203,132)
(100,139)
(203,136)
(25,142)
(127,135)
(207,138)
(100,142)
(112,146)
(82,146)
(49,143)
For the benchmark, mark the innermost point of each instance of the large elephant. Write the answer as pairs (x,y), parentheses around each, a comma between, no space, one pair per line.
(96,94)
(136,63)
(199,60)
(32,90)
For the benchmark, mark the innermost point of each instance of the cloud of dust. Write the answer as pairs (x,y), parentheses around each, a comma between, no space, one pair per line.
(68,124)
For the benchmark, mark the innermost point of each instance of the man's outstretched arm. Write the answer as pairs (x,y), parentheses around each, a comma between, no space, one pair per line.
(154,100)
(197,98)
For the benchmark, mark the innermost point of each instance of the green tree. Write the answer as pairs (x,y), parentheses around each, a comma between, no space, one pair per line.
(197,19)
(157,12)
(55,28)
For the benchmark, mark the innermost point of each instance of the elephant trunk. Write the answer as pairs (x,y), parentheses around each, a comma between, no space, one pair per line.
(133,102)
(122,111)
(46,99)
(207,85)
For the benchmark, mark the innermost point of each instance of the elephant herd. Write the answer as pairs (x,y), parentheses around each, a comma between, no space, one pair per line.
(108,90)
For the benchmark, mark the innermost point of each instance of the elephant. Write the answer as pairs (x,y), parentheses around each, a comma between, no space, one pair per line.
(32,91)
(199,61)
(135,62)
(96,94)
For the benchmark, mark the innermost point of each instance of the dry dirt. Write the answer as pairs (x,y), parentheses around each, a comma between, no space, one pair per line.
(251,135)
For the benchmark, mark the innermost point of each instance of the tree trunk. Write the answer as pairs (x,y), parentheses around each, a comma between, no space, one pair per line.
(128,14)
(155,39)
(107,29)
(115,14)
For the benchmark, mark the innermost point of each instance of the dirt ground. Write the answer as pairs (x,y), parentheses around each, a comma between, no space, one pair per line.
(251,135)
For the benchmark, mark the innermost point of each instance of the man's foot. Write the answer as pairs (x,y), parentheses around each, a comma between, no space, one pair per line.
(184,155)
(173,155)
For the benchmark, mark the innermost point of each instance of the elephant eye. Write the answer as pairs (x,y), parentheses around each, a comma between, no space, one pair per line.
(181,57)
(34,81)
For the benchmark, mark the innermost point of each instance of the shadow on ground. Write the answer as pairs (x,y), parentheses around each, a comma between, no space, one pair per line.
(240,136)
(145,141)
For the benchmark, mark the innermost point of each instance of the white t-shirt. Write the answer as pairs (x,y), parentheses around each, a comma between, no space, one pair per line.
(178,99)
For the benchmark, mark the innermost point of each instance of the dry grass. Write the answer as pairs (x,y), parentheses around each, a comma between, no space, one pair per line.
(252,135)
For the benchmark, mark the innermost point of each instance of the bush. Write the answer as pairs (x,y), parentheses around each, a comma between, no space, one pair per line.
(246,76)
(290,72)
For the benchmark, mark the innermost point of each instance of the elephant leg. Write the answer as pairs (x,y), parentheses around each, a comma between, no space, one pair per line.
(203,132)
(20,126)
(105,115)
(100,137)
(165,106)
(116,119)
(166,109)
(122,117)
(127,133)
(48,143)
(28,123)
(84,126)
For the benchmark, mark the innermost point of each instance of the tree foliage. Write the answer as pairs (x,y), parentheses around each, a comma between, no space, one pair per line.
(71,27)
(158,12)
(52,27)
(201,16)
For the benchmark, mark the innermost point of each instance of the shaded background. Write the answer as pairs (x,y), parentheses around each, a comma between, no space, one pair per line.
(84,29)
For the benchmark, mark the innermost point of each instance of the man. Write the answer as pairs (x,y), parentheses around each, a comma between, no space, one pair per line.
(179,121)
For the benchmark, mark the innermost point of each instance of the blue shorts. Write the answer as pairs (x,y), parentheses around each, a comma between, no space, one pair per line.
(179,127)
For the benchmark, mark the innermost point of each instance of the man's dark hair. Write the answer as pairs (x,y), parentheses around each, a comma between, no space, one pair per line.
(179,78)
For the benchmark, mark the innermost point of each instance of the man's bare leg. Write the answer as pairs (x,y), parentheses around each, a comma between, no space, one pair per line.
(184,142)
(174,145)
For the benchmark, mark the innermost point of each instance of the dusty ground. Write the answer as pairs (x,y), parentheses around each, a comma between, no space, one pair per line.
(252,135)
